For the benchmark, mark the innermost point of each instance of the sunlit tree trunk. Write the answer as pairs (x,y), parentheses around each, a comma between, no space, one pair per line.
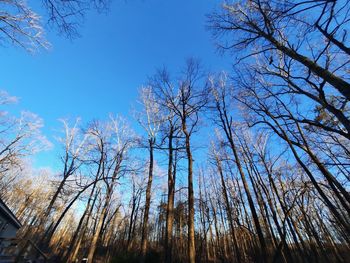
(144,236)
(171,195)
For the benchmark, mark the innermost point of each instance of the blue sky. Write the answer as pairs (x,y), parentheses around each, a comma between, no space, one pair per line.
(100,72)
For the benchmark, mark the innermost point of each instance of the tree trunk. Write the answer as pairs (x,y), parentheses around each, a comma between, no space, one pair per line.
(191,242)
(228,209)
(170,204)
(144,237)
(99,226)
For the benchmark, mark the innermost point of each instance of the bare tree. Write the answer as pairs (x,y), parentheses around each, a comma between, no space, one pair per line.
(19,137)
(118,139)
(75,147)
(21,26)
(222,95)
(272,29)
(150,120)
(186,101)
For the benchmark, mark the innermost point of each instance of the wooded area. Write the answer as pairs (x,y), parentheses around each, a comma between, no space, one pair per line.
(251,165)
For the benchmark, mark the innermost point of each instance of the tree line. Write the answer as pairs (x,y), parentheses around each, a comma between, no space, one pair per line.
(254,162)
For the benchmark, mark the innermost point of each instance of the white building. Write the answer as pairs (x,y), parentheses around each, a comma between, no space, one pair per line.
(9,226)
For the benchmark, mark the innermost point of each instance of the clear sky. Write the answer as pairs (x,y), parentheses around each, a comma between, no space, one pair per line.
(100,72)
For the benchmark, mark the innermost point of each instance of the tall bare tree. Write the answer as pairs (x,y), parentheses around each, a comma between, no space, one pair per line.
(186,99)
(150,120)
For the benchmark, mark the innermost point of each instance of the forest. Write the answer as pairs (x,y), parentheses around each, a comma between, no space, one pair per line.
(246,165)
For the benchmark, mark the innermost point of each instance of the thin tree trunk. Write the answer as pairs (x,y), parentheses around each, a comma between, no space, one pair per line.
(170,204)
(191,249)
(144,237)
(99,226)
(228,209)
